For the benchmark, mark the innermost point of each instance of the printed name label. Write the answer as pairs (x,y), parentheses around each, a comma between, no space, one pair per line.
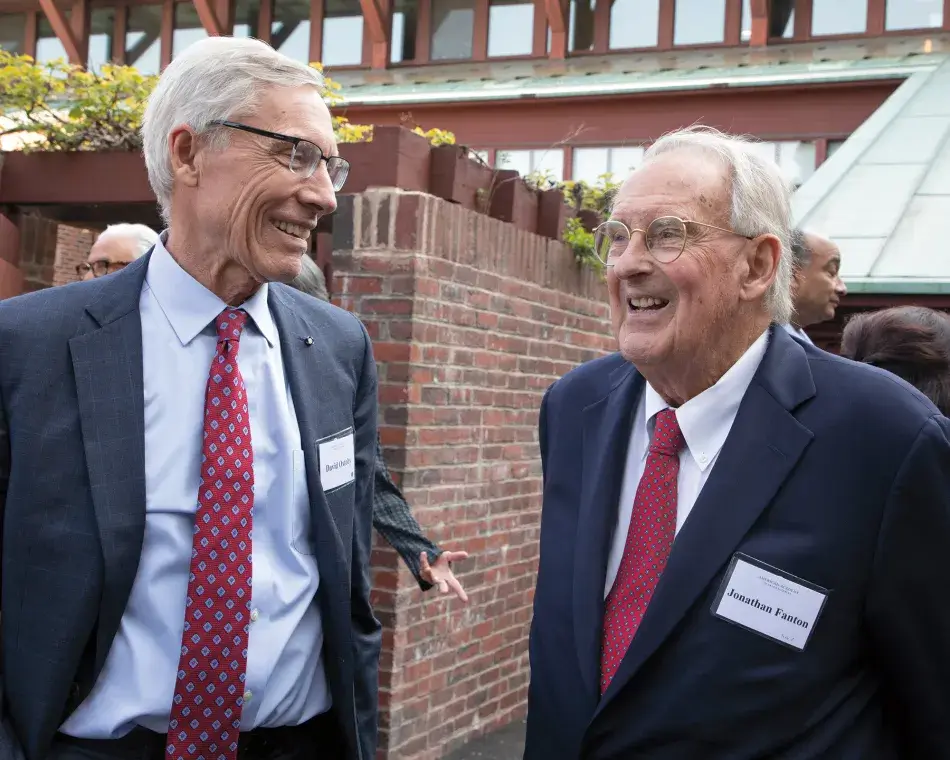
(769,602)
(337,461)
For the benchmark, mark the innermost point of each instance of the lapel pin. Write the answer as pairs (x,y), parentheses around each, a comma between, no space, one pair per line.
(308,341)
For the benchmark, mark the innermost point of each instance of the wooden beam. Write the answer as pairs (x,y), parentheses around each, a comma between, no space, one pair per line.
(63,30)
(209,19)
(79,23)
(557,20)
(373,18)
(377,18)
(760,23)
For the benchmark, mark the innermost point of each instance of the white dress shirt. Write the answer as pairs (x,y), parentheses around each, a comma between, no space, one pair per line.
(705,421)
(286,682)
(797,332)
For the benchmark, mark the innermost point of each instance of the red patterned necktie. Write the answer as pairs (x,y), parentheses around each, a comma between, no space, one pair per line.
(209,693)
(649,541)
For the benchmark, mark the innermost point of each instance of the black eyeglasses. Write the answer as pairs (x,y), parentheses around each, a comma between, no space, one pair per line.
(100,268)
(665,238)
(304,156)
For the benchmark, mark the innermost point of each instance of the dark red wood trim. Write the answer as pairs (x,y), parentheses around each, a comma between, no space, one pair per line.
(30,34)
(555,11)
(567,164)
(316,30)
(63,31)
(209,18)
(760,23)
(667,14)
(877,10)
(821,151)
(265,18)
(602,26)
(733,21)
(539,38)
(424,32)
(120,24)
(480,32)
(802,20)
(168,29)
(946,14)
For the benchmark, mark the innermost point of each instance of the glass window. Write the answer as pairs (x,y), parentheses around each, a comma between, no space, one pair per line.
(143,38)
(12,32)
(548,162)
(246,16)
(797,160)
(697,22)
(781,19)
(839,17)
(913,14)
(634,24)
(581,31)
(290,29)
(591,164)
(101,26)
(342,33)
(188,28)
(48,46)
(510,28)
(405,21)
(833,146)
(453,22)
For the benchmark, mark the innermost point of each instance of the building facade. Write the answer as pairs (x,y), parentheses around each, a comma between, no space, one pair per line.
(569,88)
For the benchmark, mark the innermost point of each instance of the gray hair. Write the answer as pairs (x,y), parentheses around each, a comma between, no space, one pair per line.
(761,198)
(214,79)
(798,245)
(143,237)
(311,280)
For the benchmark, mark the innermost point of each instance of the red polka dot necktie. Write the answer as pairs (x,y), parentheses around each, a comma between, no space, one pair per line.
(649,541)
(205,715)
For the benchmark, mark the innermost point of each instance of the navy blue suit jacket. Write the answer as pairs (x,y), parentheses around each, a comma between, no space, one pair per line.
(835,472)
(72,494)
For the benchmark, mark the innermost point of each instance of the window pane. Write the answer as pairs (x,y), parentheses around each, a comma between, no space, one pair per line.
(101,26)
(833,146)
(839,17)
(623,161)
(48,46)
(590,164)
(914,14)
(549,163)
(12,32)
(699,21)
(781,19)
(519,160)
(634,24)
(797,161)
(290,29)
(188,28)
(405,21)
(342,33)
(143,38)
(581,32)
(246,15)
(453,22)
(510,27)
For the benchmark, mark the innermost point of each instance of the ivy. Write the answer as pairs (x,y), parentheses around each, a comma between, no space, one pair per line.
(58,106)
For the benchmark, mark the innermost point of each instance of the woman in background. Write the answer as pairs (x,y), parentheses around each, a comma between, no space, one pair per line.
(912,342)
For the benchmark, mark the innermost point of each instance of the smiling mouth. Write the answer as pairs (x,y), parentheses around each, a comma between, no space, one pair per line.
(646,304)
(294,230)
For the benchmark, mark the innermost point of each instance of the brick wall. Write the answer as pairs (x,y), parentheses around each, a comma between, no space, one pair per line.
(72,248)
(471,321)
(37,251)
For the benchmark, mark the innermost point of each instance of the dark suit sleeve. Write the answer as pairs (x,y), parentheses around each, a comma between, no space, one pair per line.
(367,636)
(908,610)
(394,521)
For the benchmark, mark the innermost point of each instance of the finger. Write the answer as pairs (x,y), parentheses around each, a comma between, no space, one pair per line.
(456,556)
(443,587)
(424,561)
(457,588)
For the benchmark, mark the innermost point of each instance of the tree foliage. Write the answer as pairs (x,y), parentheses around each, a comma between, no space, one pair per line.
(58,106)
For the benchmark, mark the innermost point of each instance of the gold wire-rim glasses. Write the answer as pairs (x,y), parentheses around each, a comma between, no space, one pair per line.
(661,225)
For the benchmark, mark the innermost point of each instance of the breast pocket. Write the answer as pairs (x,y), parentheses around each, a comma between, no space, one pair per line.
(302,538)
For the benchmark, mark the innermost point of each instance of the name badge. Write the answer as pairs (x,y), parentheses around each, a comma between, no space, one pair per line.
(767,601)
(337,460)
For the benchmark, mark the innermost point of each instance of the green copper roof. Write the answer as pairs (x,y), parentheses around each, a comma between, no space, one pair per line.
(884,196)
(618,74)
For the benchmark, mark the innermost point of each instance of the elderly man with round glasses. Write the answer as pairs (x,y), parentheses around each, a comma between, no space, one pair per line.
(187,455)
(743,538)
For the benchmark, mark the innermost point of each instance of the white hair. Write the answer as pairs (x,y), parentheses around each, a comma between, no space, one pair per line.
(761,198)
(214,79)
(143,237)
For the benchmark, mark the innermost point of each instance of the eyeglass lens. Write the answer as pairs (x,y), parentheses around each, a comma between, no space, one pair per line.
(306,157)
(665,239)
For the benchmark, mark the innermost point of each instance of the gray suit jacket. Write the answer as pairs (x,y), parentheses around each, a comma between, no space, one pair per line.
(72,494)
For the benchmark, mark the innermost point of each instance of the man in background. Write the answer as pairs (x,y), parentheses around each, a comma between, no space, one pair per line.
(117,246)
(817,288)
(392,517)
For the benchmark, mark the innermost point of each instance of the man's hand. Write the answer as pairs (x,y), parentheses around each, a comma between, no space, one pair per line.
(440,574)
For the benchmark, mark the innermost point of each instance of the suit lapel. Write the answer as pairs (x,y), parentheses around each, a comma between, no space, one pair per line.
(607,426)
(763,447)
(301,363)
(107,364)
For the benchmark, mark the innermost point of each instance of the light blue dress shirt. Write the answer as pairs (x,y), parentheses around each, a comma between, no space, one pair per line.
(286,682)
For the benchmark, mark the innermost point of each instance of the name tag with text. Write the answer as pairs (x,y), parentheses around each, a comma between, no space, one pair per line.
(337,460)
(768,601)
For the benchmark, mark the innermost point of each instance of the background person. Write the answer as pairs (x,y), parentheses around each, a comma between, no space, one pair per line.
(817,288)
(117,246)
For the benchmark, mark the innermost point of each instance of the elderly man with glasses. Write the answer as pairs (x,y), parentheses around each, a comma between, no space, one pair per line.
(187,454)
(743,538)
(117,246)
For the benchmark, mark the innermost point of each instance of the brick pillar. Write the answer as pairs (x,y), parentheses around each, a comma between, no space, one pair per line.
(37,251)
(11,278)
(72,248)
(472,319)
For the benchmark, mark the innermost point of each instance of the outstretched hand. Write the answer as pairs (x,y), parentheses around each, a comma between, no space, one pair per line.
(440,573)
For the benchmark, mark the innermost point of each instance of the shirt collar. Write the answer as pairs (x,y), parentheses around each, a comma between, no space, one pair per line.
(189,306)
(706,419)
